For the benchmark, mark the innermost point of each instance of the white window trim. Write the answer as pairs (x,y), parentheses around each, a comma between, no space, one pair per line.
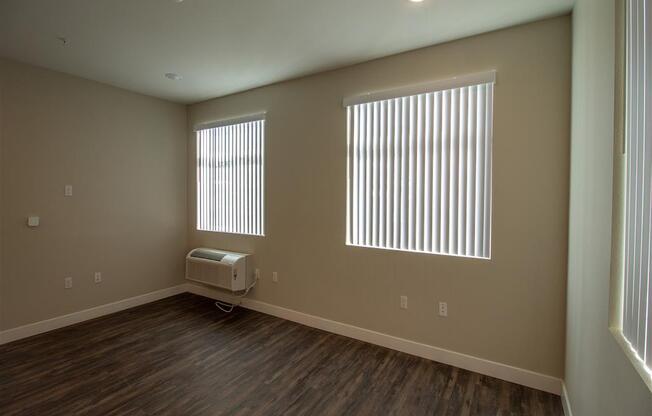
(631,355)
(426,87)
(228,121)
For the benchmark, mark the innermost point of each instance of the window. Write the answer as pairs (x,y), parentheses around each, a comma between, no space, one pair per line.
(230,176)
(419,168)
(637,290)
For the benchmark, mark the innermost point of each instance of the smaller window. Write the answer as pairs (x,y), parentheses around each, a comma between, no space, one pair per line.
(230,176)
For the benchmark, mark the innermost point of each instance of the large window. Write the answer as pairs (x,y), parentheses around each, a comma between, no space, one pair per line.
(637,302)
(419,168)
(230,176)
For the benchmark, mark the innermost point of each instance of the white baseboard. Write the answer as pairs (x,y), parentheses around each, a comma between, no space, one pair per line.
(565,401)
(40,327)
(479,365)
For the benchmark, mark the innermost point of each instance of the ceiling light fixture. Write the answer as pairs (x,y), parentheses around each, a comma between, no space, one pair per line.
(173,76)
(416,1)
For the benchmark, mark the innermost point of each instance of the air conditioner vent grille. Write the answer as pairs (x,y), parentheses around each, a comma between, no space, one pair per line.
(207,254)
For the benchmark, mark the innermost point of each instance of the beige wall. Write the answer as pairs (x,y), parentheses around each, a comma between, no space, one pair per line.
(599,378)
(510,309)
(125,155)
(1,201)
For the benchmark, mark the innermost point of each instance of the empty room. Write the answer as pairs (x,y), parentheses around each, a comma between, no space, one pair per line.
(342,207)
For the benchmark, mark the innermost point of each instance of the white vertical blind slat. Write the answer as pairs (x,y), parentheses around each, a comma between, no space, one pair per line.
(397,175)
(461,192)
(356,174)
(241,179)
(389,172)
(375,183)
(419,226)
(229,179)
(260,165)
(479,180)
(642,191)
(405,192)
(222,178)
(200,179)
(453,172)
(443,209)
(436,171)
(631,174)
(470,174)
(244,180)
(488,158)
(258,191)
(211,171)
(362,158)
(252,178)
(410,126)
(382,169)
(647,349)
(427,173)
(349,191)
(627,285)
(368,174)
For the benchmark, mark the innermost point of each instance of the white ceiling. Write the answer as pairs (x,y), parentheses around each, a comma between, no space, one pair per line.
(225,46)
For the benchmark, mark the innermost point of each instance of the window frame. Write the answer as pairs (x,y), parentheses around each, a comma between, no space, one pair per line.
(617,281)
(474,80)
(228,122)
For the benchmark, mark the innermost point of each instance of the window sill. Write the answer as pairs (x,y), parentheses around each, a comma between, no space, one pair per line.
(638,364)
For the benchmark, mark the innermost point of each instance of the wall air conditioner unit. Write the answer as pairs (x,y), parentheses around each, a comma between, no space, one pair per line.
(223,269)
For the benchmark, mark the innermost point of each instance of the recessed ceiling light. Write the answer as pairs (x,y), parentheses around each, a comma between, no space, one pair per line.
(173,76)
(416,1)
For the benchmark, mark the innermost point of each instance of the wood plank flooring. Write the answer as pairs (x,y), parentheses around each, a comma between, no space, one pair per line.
(182,356)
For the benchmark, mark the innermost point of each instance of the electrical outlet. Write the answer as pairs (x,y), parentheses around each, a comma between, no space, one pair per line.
(403,302)
(257,274)
(67,282)
(98,277)
(443,309)
(275,277)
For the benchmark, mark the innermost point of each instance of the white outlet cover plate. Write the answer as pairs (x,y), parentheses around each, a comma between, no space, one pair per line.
(443,309)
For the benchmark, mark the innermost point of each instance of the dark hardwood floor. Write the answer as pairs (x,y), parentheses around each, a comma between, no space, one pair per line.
(182,356)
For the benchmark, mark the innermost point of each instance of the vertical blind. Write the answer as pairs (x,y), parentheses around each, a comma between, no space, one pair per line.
(230,177)
(637,302)
(419,171)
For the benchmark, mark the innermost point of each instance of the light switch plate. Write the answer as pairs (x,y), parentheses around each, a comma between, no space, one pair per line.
(67,190)
(33,221)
